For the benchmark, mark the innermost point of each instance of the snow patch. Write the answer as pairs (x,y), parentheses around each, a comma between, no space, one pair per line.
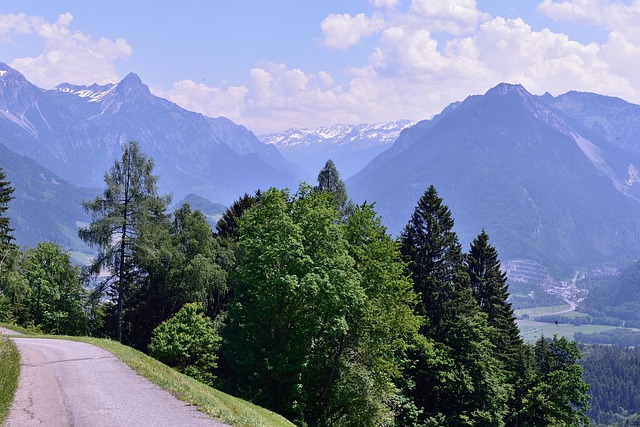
(3,72)
(634,177)
(20,121)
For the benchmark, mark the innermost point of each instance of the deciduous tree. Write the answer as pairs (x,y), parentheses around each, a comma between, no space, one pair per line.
(56,298)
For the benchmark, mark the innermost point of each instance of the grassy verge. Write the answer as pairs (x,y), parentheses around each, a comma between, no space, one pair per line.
(215,403)
(9,371)
(228,409)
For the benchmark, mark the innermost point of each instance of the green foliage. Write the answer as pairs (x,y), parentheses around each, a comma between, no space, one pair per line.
(14,289)
(6,195)
(56,299)
(227,226)
(7,253)
(321,310)
(329,181)
(178,263)
(128,205)
(559,395)
(189,342)
(464,384)
(9,371)
(613,375)
(198,276)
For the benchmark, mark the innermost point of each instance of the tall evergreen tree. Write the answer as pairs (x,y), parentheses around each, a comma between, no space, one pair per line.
(467,388)
(227,226)
(329,181)
(6,237)
(129,203)
(489,286)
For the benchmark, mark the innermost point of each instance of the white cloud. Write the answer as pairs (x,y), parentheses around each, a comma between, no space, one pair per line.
(344,31)
(274,98)
(611,15)
(413,72)
(582,11)
(384,3)
(67,56)
(455,17)
(213,102)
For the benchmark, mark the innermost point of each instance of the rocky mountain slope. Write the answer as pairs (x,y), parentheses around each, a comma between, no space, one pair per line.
(542,185)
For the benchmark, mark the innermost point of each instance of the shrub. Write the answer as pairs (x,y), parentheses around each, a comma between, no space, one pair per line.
(188,342)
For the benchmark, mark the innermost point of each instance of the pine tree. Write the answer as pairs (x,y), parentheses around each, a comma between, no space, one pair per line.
(466,386)
(227,226)
(6,195)
(436,262)
(489,286)
(129,203)
(329,180)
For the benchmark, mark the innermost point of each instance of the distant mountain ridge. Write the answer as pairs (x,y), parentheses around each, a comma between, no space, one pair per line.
(350,147)
(76,131)
(612,119)
(542,185)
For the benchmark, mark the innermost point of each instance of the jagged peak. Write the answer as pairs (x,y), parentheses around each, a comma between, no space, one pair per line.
(506,88)
(130,85)
(131,79)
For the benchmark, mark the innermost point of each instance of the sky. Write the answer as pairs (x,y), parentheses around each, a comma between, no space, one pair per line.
(279,64)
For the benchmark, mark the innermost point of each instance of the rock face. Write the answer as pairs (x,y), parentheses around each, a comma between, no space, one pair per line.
(542,185)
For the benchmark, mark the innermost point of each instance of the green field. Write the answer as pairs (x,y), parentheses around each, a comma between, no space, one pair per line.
(541,311)
(531,330)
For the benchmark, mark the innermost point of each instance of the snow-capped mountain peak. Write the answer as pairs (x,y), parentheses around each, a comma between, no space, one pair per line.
(338,134)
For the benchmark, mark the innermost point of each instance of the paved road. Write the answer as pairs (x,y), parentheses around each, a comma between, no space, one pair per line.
(6,331)
(68,383)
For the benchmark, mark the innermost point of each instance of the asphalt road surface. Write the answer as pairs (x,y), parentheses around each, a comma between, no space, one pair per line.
(68,383)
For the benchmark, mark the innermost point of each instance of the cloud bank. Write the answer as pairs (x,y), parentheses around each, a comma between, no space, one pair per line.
(422,56)
(436,53)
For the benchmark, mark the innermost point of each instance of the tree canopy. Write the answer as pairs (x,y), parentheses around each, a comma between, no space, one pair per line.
(128,204)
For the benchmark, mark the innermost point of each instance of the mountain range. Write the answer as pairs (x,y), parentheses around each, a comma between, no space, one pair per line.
(552,179)
(76,131)
(350,147)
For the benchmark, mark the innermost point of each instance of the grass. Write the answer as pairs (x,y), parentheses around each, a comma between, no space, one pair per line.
(531,330)
(219,405)
(9,371)
(539,311)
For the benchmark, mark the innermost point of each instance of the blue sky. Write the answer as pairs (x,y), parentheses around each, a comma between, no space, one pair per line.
(273,65)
